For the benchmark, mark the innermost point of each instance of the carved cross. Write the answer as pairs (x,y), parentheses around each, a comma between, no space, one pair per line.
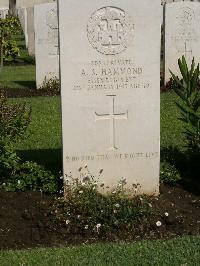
(112,116)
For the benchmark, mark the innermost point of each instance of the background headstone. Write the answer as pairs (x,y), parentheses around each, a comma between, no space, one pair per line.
(3,12)
(22,15)
(46,42)
(110,80)
(182,35)
(30,30)
(31,3)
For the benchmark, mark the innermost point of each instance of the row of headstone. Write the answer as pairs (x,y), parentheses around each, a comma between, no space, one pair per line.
(40,26)
(110,81)
(181,37)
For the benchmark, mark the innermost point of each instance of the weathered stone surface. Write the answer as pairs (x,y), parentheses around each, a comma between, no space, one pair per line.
(22,15)
(110,79)
(3,12)
(182,35)
(46,42)
(30,30)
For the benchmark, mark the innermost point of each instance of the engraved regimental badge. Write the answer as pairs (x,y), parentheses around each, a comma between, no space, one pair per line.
(110,30)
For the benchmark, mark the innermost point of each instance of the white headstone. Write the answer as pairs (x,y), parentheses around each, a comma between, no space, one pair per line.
(22,15)
(3,12)
(182,35)
(46,42)
(30,30)
(110,80)
(4,3)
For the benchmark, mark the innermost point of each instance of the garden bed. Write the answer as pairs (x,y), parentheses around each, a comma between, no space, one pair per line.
(27,219)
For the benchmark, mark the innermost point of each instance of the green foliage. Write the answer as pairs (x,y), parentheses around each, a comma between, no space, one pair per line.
(28,176)
(11,51)
(187,89)
(14,174)
(8,48)
(85,210)
(14,120)
(168,173)
(52,84)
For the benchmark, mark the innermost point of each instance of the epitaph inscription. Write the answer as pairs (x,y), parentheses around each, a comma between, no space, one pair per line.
(110,30)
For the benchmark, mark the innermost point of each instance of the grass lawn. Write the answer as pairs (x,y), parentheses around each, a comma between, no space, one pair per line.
(183,251)
(18,76)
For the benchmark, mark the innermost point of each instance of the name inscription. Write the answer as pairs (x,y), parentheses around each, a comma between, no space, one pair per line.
(111,75)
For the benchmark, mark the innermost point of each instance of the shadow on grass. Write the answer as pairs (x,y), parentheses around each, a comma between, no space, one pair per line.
(187,165)
(50,159)
(26,83)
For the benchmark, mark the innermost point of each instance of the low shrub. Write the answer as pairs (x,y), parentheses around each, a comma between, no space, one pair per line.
(14,174)
(87,211)
(187,88)
(168,173)
(29,176)
(52,85)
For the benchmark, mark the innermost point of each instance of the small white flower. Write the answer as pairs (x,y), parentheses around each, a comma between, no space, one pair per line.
(166,214)
(4,184)
(86,227)
(67,221)
(150,205)
(61,177)
(141,199)
(117,205)
(114,192)
(81,192)
(78,216)
(158,223)
(98,226)
(101,211)
(115,211)
(56,211)
(18,182)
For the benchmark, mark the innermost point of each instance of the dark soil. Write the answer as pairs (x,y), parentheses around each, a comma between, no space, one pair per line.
(26,220)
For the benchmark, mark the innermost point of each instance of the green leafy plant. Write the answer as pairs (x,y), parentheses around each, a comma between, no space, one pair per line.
(29,176)
(87,211)
(52,85)
(8,48)
(16,175)
(187,89)
(168,173)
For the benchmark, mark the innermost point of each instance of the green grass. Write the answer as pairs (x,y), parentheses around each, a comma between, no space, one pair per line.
(183,251)
(18,76)
(42,141)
